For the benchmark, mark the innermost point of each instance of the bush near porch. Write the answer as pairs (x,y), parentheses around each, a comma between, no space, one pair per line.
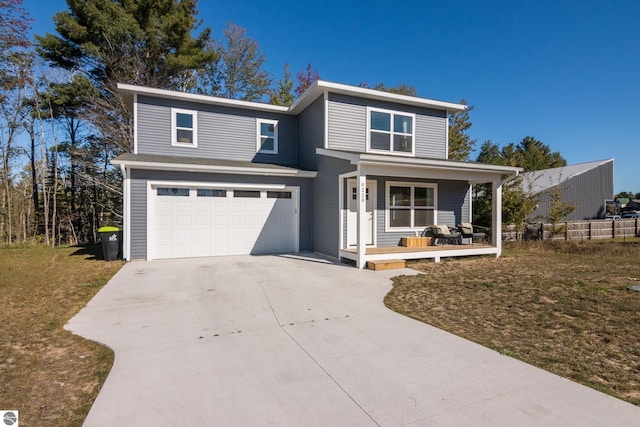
(566,307)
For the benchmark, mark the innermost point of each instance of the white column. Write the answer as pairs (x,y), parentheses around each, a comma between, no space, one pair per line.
(361,247)
(496,215)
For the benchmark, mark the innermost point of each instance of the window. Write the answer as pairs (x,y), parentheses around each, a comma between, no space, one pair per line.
(278,194)
(164,191)
(391,132)
(267,131)
(209,192)
(184,128)
(410,206)
(246,194)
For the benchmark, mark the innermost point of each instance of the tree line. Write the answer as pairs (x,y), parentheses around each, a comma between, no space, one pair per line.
(62,119)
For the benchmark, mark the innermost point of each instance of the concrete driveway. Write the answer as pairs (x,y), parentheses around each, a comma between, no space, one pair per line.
(301,341)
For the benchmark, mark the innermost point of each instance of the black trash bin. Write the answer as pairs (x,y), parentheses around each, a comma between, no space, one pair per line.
(111,238)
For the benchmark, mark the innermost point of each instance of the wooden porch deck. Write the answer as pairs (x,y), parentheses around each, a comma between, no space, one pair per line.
(406,250)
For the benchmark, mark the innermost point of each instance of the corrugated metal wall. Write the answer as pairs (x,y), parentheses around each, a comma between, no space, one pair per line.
(587,192)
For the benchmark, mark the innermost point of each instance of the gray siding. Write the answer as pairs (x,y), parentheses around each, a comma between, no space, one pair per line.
(223,132)
(348,125)
(453,206)
(139,179)
(326,225)
(587,192)
(138,220)
(310,134)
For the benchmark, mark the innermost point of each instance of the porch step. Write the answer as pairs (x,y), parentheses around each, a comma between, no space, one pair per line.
(386,264)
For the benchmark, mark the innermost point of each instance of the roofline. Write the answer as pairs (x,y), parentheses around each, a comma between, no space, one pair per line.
(311,94)
(127,89)
(191,167)
(322,86)
(366,158)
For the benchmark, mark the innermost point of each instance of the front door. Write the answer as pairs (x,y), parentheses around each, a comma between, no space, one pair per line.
(352,214)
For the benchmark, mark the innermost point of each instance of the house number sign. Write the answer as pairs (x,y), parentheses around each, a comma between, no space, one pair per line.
(363,192)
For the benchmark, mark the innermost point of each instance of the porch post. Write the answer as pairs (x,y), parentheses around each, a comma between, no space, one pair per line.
(361,247)
(496,215)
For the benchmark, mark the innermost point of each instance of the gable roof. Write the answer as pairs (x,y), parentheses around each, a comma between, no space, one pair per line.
(547,178)
(319,88)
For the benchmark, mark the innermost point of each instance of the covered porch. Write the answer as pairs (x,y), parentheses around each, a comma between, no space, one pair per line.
(373,217)
(425,252)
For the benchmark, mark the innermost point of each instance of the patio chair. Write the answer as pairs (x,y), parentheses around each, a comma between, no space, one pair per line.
(467,232)
(443,234)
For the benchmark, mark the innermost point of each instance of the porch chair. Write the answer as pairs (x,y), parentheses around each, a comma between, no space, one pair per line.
(443,234)
(466,230)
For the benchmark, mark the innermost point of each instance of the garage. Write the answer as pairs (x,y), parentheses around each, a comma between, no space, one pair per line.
(197,220)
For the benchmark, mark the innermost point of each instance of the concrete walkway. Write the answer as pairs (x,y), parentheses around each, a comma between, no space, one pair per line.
(300,341)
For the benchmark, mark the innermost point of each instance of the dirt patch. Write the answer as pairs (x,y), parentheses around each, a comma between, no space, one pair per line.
(564,307)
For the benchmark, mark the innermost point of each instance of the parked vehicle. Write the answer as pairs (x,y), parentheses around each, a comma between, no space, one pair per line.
(611,216)
(630,215)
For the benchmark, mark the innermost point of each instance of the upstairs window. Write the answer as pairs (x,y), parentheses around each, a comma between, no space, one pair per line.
(390,132)
(184,128)
(267,131)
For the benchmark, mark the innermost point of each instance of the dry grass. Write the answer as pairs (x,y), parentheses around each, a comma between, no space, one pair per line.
(51,376)
(564,307)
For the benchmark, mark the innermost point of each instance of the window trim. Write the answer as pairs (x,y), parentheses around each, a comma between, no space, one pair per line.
(174,128)
(259,148)
(412,185)
(391,151)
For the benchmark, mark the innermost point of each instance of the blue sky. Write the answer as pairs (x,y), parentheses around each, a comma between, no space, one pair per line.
(564,72)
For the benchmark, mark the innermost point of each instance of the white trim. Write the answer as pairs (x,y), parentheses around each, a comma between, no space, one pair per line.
(152,185)
(387,160)
(373,196)
(319,86)
(203,99)
(342,178)
(391,132)
(412,185)
(259,148)
(126,210)
(465,250)
(215,169)
(326,120)
(174,128)
(361,247)
(310,95)
(446,138)
(135,123)
(470,202)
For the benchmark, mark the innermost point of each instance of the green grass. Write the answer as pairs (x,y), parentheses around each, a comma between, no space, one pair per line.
(48,374)
(562,306)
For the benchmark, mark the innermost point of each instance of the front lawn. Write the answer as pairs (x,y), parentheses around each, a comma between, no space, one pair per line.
(46,373)
(563,306)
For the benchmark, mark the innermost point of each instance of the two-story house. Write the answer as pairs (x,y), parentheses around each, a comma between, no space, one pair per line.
(345,172)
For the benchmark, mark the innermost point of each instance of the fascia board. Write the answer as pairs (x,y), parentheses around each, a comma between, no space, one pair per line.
(129,90)
(322,86)
(215,169)
(480,167)
(317,89)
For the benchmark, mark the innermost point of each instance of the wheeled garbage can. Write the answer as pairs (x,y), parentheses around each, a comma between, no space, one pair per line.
(111,238)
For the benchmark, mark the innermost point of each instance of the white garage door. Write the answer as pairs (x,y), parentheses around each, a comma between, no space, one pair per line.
(200,221)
